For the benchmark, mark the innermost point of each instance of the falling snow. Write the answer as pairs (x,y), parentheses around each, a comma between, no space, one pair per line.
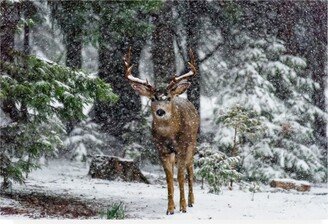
(260,88)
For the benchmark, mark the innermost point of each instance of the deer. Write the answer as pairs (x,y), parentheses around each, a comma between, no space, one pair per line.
(175,127)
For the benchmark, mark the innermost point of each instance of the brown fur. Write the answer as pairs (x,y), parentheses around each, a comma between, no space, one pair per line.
(175,140)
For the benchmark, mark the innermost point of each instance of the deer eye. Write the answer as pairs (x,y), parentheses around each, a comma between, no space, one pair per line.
(152,99)
(169,99)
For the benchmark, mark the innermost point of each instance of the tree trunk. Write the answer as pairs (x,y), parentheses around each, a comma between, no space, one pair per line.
(314,49)
(317,63)
(73,37)
(113,168)
(162,49)
(72,33)
(286,22)
(289,184)
(29,10)
(73,43)
(192,29)
(9,20)
(233,154)
(114,117)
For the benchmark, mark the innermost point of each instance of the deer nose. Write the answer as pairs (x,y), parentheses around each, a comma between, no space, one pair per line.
(160,112)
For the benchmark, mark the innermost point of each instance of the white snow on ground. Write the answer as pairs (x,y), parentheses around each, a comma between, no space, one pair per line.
(149,201)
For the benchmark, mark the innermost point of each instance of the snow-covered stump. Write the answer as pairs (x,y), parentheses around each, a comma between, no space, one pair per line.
(289,184)
(113,168)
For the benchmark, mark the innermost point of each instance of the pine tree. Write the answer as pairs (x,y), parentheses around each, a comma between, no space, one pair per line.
(215,167)
(85,141)
(243,123)
(263,78)
(48,91)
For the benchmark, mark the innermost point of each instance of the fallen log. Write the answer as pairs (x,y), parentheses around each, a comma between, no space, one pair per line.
(113,168)
(289,184)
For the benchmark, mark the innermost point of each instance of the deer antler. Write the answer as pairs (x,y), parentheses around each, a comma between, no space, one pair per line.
(128,72)
(191,73)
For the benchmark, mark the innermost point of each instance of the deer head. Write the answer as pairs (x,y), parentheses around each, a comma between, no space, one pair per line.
(161,100)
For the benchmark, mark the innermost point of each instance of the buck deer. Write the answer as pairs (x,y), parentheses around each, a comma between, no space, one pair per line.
(174,128)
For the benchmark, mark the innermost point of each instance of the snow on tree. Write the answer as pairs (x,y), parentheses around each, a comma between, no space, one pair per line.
(85,141)
(215,167)
(45,94)
(263,78)
(243,123)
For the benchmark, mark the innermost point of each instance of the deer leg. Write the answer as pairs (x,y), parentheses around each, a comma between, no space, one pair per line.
(173,178)
(190,173)
(168,168)
(181,180)
(172,160)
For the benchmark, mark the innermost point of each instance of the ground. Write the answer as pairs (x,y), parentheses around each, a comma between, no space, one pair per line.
(66,187)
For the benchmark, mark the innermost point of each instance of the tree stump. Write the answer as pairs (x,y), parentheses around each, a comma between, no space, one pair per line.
(113,168)
(288,184)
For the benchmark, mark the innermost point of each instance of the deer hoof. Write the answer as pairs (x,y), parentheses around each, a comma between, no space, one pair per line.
(183,211)
(169,212)
(190,205)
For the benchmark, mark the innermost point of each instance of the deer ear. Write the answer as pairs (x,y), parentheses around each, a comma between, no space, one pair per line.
(179,88)
(142,90)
